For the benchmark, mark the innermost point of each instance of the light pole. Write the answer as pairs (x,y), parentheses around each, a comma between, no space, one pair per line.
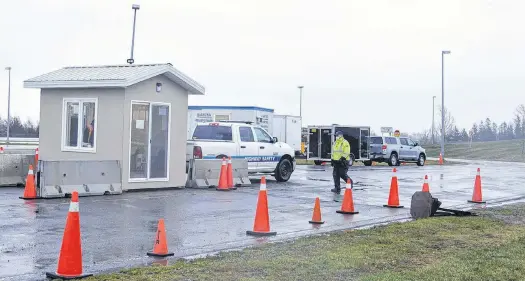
(443,53)
(135,7)
(300,101)
(433,107)
(8,103)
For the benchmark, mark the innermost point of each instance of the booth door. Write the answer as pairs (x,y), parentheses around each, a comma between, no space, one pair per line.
(149,141)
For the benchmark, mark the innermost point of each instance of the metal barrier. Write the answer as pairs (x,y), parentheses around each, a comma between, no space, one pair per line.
(61,178)
(14,168)
(204,173)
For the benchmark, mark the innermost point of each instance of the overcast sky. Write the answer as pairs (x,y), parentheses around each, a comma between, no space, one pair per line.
(374,63)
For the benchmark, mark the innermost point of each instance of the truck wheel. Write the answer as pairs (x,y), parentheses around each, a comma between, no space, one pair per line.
(393,161)
(367,163)
(283,172)
(317,162)
(421,160)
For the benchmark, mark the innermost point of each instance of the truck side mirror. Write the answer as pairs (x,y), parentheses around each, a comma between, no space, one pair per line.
(275,140)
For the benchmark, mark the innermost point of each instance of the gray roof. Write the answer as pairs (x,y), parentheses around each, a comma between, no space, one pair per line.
(119,76)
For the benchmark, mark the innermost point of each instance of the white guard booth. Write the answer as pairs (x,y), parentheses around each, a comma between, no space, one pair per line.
(107,129)
(258,115)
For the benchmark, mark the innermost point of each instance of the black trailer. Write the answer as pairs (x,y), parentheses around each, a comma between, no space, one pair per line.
(321,139)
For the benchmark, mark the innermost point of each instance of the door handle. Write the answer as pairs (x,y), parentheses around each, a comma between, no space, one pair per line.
(261,147)
(242,146)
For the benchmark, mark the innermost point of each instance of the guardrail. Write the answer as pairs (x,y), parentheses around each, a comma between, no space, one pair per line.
(19,141)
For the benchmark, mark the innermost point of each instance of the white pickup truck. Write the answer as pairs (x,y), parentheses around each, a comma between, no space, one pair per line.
(265,155)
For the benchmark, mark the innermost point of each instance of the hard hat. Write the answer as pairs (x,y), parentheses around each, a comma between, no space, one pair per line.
(338,133)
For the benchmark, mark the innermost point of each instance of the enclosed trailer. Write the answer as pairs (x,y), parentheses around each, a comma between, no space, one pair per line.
(287,128)
(321,139)
(260,116)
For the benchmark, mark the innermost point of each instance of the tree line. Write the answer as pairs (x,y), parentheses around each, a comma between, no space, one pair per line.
(19,129)
(483,130)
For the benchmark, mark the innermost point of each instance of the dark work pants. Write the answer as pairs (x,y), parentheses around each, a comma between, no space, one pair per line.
(340,173)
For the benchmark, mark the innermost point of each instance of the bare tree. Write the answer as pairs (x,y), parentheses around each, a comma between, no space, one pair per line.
(520,110)
(424,137)
(450,123)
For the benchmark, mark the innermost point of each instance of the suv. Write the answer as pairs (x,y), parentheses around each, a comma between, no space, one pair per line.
(394,150)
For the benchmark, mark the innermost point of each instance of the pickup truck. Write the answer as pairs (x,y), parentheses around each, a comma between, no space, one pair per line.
(265,154)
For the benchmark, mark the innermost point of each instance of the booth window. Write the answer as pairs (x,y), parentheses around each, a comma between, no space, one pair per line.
(78,125)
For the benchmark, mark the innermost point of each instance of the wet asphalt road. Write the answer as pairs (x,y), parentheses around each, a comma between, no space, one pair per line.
(117,231)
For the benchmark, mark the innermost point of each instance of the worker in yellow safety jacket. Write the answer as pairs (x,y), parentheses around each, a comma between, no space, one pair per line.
(340,157)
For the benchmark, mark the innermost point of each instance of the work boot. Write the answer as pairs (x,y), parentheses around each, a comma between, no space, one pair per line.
(336,190)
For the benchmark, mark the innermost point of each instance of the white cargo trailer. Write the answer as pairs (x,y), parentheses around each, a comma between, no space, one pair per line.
(260,116)
(287,128)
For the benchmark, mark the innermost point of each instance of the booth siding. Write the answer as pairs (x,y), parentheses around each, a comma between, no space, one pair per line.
(123,123)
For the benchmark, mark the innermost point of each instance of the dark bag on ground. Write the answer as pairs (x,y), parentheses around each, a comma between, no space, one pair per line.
(423,205)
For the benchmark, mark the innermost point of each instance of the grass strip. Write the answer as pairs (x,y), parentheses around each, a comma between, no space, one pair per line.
(488,247)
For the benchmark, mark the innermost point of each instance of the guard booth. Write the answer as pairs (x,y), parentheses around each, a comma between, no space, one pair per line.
(321,139)
(107,129)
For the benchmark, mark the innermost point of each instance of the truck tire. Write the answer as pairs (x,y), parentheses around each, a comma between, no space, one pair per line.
(393,160)
(283,171)
(421,160)
(367,163)
(317,162)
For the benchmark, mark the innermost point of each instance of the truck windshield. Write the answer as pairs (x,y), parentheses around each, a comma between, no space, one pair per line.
(376,140)
(210,132)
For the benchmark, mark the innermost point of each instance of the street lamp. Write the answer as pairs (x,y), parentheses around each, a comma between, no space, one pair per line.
(433,107)
(443,53)
(300,101)
(135,7)
(8,103)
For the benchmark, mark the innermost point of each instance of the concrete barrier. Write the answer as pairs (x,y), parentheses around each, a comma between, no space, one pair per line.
(204,173)
(14,168)
(61,178)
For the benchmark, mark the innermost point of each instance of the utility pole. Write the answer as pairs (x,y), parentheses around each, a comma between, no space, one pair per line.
(8,103)
(443,53)
(300,101)
(433,107)
(135,7)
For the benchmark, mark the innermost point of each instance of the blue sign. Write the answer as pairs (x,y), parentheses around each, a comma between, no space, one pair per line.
(261,158)
(253,158)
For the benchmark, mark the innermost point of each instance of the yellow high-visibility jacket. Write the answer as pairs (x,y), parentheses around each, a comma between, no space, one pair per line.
(340,149)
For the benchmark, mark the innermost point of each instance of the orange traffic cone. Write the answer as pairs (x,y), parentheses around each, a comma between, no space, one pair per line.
(348,201)
(393,198)
(440,159)
(160,247)
(316,216)
(223,177)
(229,171)
(30,190)
(426,188)
(36,162)
(477,195)
(70,257)
(36,157)
(261,225)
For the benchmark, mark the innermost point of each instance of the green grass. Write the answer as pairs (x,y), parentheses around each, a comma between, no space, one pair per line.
(511,151)
(488,247)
